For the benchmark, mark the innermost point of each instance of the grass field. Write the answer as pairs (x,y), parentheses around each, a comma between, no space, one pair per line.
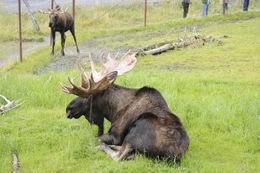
(215,90)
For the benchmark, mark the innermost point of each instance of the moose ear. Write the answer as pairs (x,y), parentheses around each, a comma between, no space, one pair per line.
(112,76)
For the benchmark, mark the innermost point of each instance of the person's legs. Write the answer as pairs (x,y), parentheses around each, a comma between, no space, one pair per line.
(204,7)
(226,6)
(185,9)
(207,9)
(245,5)
(183,6)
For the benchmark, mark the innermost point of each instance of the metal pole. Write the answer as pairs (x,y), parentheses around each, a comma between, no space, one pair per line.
(52,7)
(73,8)
(20,31)
(145,11)
(52,4)
(223,7)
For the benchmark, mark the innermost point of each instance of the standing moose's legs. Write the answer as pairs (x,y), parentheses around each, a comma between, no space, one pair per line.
(53,41)
(63,39)
(72,30)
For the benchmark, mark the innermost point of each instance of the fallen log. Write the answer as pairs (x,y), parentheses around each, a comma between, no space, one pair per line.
(160,49)
(195,39)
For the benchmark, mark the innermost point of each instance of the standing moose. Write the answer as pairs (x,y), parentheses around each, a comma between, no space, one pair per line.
(61,21)
(140,118)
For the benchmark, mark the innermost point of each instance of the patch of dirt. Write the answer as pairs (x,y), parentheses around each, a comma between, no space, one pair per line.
(11,53)
(71,58)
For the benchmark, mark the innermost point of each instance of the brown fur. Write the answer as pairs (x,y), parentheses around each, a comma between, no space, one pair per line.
(142,121)
(62,22)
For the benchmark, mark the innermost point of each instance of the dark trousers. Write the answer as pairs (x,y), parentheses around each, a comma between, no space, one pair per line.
(185,9)
(226,6)
(245,5)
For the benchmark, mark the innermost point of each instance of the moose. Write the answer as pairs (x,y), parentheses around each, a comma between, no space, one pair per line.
(141,120)
(61,21)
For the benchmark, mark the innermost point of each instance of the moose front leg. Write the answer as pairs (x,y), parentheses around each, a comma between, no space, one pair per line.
(63,39)
(53,33)
(100,130)
(107,139)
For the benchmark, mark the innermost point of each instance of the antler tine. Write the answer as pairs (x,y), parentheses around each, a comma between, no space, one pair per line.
(44,12)
(128,52)
(84,77)
(110,64)
(65,88)
(126,64)
(74,89)
(117,54)
(96,76)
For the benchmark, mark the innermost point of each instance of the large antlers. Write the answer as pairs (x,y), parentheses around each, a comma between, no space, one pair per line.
(99,81)
(57,9)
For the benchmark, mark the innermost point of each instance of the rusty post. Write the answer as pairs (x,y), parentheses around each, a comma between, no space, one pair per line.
(223,7)
(52,7)
(20,31)
(73,9)
(145,11)
(52,4)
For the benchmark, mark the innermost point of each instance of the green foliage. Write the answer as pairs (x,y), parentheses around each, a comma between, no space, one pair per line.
(213,89)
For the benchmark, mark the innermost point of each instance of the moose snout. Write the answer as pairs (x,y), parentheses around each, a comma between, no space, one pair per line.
(50,24)
(69,115)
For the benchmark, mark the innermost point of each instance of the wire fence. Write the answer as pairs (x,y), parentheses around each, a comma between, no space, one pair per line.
(100,14)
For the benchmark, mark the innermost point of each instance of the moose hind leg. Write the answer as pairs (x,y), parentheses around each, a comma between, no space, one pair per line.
(113,154)
(72,30)
(53,34)
(126,153)
(115,147)
(63,39)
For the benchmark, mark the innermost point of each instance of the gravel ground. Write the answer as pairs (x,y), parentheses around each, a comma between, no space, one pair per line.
(69,61)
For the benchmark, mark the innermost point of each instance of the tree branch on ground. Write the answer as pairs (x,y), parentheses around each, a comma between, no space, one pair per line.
(9,105)
(195,40)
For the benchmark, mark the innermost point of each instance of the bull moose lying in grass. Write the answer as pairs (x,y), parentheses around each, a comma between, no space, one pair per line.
(141,120)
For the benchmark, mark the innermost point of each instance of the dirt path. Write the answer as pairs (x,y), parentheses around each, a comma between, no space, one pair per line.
(69,61)
(10,50)
(117,44)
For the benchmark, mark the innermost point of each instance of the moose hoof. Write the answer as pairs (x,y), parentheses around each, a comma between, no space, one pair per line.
(99,147)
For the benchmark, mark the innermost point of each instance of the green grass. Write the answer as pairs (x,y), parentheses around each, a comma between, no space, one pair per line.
(114,17)
(215,90)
